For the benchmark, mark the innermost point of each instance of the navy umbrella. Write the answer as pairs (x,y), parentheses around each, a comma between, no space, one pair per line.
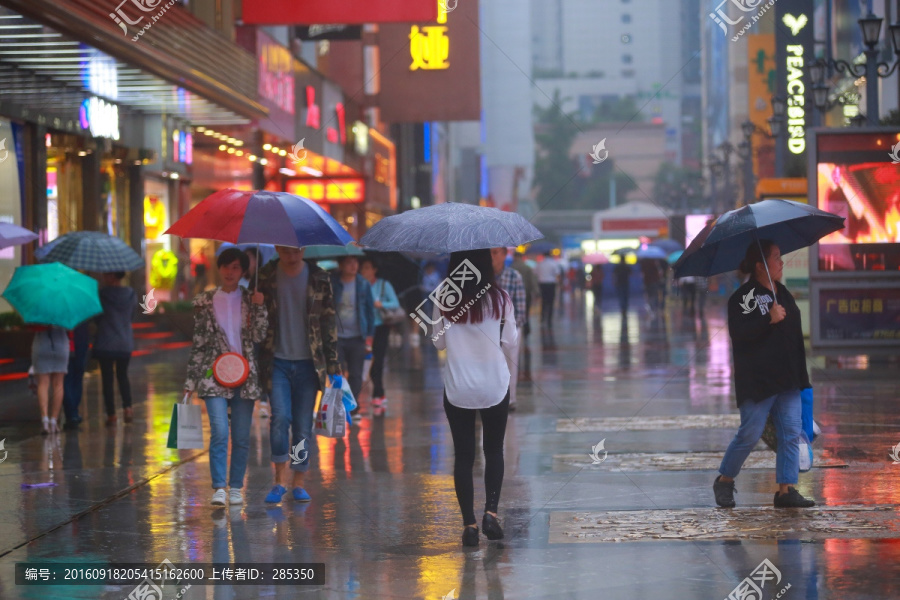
(91,251)
(722,245)
(449,227)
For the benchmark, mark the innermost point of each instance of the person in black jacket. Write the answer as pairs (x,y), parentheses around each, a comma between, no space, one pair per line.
(769,372)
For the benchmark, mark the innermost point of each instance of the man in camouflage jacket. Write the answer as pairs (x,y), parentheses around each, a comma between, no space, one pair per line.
(293,369)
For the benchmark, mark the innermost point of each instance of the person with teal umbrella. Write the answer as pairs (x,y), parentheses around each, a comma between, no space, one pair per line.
(55,299)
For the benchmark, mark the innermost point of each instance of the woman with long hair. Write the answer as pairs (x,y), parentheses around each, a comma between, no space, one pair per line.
(476,379)
(769,372)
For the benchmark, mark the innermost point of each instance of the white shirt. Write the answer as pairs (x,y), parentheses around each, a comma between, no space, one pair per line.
(227,306)
(475,373)
(547,270)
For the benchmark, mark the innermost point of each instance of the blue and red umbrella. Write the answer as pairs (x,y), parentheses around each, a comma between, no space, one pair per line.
(261,217)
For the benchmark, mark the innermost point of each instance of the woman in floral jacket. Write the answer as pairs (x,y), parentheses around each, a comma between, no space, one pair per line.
(227,319)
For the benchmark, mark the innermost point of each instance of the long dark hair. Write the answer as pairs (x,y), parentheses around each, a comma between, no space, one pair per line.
(477,311)
(754,255)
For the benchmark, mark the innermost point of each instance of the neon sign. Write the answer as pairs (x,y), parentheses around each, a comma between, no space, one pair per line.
(313,116)
(100,117)
(340,134)
(796,112)
(276,76)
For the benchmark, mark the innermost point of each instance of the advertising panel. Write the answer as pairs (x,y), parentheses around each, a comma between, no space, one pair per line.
(857,176)
(430,70)
(856,314)
(350,12)
(793,48)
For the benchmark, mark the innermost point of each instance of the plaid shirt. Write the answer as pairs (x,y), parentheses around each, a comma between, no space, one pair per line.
(511,281)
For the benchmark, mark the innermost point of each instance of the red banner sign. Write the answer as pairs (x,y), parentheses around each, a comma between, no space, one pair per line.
(348,12)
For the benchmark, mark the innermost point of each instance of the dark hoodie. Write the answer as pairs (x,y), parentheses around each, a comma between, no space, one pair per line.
(768,359)
(114,333)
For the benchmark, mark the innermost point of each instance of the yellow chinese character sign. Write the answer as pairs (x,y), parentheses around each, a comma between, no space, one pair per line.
(429,47)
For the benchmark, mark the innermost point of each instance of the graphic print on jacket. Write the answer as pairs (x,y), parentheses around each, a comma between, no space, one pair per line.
(751,303)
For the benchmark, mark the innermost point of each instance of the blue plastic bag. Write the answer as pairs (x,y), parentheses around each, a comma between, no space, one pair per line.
(348,399)
(806,404)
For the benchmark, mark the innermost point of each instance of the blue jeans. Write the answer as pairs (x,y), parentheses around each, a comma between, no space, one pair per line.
(241,417)
(293,401)
(785,409)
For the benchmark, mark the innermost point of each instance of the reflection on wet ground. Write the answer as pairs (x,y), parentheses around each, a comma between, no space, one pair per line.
(384,518)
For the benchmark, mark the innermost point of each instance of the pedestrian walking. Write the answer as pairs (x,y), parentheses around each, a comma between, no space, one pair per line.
(476,379)
(355,322)
(597,287)
(652,279)
(511,282)
(73,383)
(769,372)
(229,319)
(688,289)
(297,356)
(548,279)
(622,275)
(384,299)
(50,360)
(115,343)
(532,288)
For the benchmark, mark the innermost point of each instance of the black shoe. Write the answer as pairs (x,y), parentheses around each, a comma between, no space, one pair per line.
(490,525)
(792,499)
(72,425)
(470,536)
(724,491)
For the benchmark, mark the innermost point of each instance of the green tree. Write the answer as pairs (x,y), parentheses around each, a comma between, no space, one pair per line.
(564,183)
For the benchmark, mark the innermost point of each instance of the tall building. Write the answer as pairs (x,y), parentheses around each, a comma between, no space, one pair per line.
(594,52)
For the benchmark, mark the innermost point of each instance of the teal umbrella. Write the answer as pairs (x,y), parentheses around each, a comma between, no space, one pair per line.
(319,252)
(53,294)
(673,258)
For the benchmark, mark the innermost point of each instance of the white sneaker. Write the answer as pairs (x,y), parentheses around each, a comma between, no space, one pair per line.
(235,496)
(264,410)
(219,498)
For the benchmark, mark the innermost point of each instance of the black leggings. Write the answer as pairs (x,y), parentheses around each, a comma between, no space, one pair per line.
(379,349)
(462,428)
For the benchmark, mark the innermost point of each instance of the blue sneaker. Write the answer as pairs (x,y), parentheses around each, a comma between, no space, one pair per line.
(300,495)
(275,495)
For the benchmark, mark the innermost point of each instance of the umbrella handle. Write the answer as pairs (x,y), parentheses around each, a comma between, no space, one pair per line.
(766,265)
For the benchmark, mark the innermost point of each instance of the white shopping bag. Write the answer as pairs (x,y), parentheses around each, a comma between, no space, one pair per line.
(331,420)
(186,428)
(806,453)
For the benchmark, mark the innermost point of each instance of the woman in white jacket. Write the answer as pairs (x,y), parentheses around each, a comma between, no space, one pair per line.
(473,320)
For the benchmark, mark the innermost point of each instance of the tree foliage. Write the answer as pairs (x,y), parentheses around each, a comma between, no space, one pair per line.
(564,183)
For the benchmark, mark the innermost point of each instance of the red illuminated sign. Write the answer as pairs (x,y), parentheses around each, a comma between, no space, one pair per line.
(350,12)
(340,134)
(313,114)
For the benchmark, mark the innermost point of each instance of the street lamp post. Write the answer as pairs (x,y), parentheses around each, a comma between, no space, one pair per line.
(870,25)
(778,129)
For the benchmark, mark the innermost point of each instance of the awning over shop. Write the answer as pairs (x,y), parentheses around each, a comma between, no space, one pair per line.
(179,66)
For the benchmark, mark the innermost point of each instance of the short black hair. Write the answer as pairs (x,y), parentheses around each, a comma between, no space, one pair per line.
(342,259)
(368,259)
(120,275)
(229,255)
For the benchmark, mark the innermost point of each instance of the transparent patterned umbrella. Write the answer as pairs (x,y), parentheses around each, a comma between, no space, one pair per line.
(449,227)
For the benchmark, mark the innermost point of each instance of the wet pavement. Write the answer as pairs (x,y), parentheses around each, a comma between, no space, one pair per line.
(642,523)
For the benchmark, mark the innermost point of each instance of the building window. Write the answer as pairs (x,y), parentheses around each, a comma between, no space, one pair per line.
(626,38)
(627,73)
(626,18)
(626,59)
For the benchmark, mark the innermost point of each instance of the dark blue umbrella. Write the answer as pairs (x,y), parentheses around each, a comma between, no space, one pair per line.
(91,251)
(721,246)
(449,227)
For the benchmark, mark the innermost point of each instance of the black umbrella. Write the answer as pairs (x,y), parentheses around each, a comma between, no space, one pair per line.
(722,245)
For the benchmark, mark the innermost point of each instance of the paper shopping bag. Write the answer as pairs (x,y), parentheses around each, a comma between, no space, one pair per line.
(186,428)
(331,416)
